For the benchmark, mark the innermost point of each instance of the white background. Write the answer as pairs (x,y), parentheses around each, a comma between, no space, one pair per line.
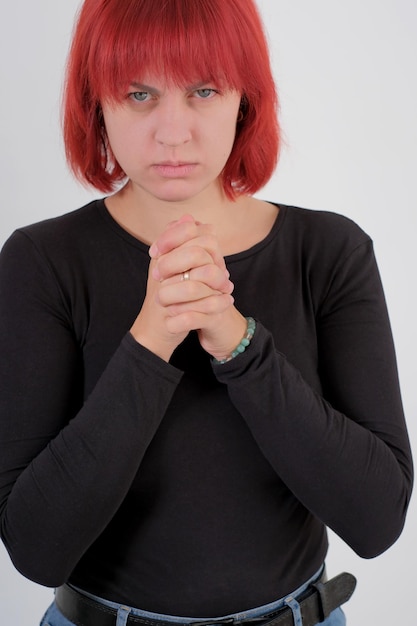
(346,74)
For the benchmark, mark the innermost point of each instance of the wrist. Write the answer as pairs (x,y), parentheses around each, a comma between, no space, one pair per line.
(160,343)
(159,349)
(239,347)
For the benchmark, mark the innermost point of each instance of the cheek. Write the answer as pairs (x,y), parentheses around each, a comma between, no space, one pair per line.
(119,127)
(225,135)
(122,141)
(116,134)
(113,131)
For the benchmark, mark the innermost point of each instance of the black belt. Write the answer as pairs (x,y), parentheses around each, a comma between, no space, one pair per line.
(316,604)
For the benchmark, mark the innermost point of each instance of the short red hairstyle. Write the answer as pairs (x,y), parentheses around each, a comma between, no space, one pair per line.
(117,41)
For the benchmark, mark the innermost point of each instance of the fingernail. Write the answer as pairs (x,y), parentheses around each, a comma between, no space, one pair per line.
(155,274)
(186,218)
(153,251)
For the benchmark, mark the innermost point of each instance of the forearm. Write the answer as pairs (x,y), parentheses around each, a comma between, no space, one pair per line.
(67,495)
(347,475)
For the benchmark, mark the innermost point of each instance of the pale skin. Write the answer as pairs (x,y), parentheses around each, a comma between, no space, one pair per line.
(173,142)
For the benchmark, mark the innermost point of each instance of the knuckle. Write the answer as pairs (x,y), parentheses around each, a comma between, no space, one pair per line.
(193,290)
(214,304)
(209,274)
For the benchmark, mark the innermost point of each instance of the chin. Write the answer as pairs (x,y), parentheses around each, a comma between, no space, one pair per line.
(174,197)
(177,193)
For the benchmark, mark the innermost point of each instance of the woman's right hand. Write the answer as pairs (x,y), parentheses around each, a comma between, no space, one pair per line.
(173,306)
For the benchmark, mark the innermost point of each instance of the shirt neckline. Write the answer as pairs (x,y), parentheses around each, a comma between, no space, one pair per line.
(237,256)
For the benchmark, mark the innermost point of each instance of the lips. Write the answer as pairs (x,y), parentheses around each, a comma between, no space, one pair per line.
(174,169)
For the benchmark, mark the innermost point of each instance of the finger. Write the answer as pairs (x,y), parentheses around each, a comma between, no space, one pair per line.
(187,218)
(174,234)
(184,218)
(211,275)
(187,232)
(193,316)
(180,260)
(185,292)
(209,242)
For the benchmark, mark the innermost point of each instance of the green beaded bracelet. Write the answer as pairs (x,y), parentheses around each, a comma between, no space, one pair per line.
(245,341)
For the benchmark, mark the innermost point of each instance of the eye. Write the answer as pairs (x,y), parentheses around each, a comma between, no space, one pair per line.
(205,93)
(139,96)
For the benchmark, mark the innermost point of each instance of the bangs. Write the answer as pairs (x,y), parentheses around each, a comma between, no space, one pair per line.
(181,40)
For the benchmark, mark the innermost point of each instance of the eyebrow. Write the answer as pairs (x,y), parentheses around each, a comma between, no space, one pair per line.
(142,87)
(148,88)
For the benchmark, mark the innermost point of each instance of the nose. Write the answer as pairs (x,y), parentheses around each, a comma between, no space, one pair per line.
(174,123)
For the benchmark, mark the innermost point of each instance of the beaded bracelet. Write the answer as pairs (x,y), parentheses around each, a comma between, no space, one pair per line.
(245,341)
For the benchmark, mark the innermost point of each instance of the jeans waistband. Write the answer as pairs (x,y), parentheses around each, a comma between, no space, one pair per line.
(309,605)
(249,614)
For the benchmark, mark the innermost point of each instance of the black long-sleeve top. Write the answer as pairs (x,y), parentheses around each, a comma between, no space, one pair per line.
(186,487)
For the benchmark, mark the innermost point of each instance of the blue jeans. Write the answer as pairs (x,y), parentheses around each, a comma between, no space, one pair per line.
(53,617)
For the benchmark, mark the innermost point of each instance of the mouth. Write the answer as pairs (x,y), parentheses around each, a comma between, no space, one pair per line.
(174,169)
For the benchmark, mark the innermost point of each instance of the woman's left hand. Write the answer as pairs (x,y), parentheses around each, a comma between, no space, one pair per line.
(195,288)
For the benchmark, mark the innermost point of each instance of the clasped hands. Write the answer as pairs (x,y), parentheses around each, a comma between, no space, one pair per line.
(174,306)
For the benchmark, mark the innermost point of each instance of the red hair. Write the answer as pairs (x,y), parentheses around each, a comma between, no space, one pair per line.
(116,41)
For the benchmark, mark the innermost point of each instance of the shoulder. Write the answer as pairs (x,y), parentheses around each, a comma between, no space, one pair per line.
(64,227)
(60,246)
(334,255)
(321,234)
(67,235)
(324,225)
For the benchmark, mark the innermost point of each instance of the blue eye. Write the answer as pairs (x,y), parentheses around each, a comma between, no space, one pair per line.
(139,96)
(205,93)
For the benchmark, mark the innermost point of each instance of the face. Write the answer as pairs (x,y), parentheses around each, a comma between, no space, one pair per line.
(172,142)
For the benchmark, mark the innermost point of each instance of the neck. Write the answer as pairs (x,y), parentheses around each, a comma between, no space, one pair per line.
(145,216)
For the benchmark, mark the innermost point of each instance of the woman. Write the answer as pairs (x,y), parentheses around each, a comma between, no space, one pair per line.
(195,382)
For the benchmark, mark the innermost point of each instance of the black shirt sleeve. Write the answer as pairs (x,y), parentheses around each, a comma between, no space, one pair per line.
(65,466)
(344,453)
